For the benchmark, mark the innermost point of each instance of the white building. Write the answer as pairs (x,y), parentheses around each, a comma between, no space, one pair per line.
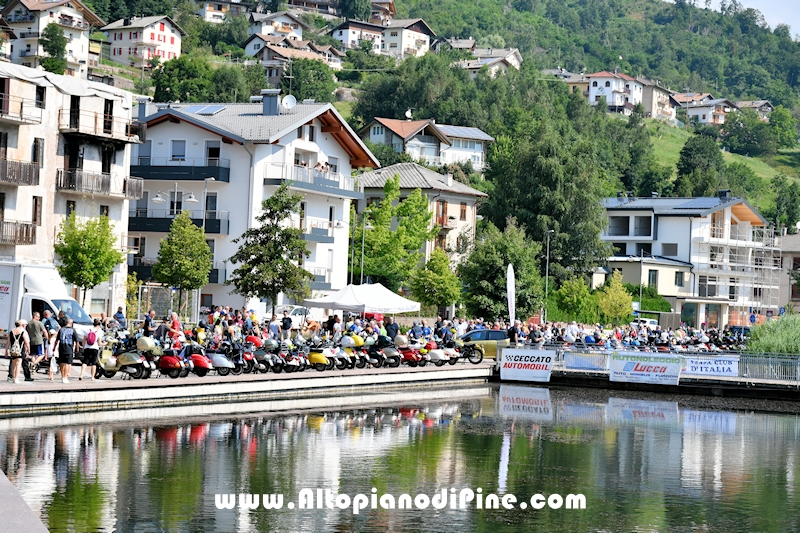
(279,24)
(709,111)
(762,107)
(137,40)
(421,139)
(404,38)
(64,146)
(511,55)
(28,18)
(467,144)
(216,10)
(350,33)
(714,259)
(453,204)
(257,41)
(658,100)
(7,35)
(620,91)
(249,150)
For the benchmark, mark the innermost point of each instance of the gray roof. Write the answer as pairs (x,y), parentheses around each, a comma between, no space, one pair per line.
(494,52)
(414,176)
(461,43)
(752,103)
(143,22)
(652,259)
(463,132)
(790,243)
(681,207)
(260,17)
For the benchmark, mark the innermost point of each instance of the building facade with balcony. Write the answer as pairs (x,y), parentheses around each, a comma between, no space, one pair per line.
(709,111)
(452,204)
(216,10)
(621,92)
(136,40)
(28,18)
(467,145)
(404,38)
(249,150)
(352,32)
(715,259)
(657,100)
(279,24)
(421,139)
(64,147)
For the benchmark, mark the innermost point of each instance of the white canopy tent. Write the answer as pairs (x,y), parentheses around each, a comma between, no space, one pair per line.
(368,298)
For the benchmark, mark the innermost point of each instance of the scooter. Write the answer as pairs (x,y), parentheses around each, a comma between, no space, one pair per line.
(437,355)
(384,353)
(195,358)
(220,362)
(130,362)
(353,349)
(409,355)
(171,364)
(315,356)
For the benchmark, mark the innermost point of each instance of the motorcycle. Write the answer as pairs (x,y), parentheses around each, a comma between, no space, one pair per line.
(383,353)
(437,355)
(195,359)
(315,355)
(409,355)
(352,346)
(131,362)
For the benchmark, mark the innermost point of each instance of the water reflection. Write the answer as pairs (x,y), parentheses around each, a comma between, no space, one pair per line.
(644,465)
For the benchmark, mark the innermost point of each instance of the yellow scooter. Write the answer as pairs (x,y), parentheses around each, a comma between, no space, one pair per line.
(131,362)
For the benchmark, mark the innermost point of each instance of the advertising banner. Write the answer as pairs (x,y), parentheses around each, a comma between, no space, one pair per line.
(637,367)
(585,361)
(527,365)
(526,402)
(708,365)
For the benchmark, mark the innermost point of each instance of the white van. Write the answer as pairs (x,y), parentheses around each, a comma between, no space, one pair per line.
(651,323)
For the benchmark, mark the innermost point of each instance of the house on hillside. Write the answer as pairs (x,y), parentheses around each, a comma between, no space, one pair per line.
(278,24)
(685,99)
(421,139)
(330,56)
(621,92)
(135,41)
(216,10)
(451,43)
(511,56)
(453,204)
(6,35)
(352,32)
(716,260)
(253,45)
(657,100)
(404,38)
(494,65)
(323,7)
(383,11)
(762,107)
(578,83)
(28,18)
(277,59)
(467,144)
(709,111)
(220,161)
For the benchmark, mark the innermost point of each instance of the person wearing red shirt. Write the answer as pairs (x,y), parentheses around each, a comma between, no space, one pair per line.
(174,326)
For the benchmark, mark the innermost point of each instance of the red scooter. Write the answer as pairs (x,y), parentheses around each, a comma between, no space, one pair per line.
(408,355)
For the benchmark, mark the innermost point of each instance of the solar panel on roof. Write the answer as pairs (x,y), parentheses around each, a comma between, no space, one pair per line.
(210,110)
(194,108)
(699,203)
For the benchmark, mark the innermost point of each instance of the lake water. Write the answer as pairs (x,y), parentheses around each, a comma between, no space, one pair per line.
(643,463)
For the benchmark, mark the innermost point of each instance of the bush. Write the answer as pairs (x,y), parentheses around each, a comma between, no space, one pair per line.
(776,336)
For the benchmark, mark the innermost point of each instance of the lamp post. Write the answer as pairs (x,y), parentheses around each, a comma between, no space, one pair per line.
(547,276)
(641,273)
(189,200)
(364,229)
(205,199)
(352,250)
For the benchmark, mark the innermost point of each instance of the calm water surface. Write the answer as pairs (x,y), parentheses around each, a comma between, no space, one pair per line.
(643,464)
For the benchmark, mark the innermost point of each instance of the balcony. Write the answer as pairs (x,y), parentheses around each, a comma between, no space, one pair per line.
(73,23)
(16,110)
(20,18)
(446,223)
(99,183)
(159,220)
(143,266)
(162,168)
(12,232)
(313,229)
(29,53)
(94,124)
(28,35)
(18,172)
(322,279)
(312,180)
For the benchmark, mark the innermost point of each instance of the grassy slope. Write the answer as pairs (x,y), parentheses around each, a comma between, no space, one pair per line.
(345,108)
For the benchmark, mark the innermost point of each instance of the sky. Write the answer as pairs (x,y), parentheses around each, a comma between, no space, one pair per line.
(775,11)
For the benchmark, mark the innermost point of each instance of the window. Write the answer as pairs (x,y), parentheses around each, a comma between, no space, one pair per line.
(172,40)
(441,242)
(300,132)
(393,45)
(377,130)
(652,278)
(38,151)
(732,292)
(40,94)
(707,286)
(596,98)
(618,226)
(178,150)
(594,84)
(669,249)
(608,84)
(36,217)
(311,133)
(641,226)
(620,249)
(463,211)
(161,26)
(393,34)
(644,248)
(70,207)
(152,36)
(704,116)
(679,279)
(103,210)
(333,163)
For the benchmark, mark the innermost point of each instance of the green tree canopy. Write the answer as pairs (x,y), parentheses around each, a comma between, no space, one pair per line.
(87,251)
(614,300)
(483,273)
(186,79)
(573,298)
(700,153)
(54,45)
(436,283)
(268,253)
(745,133)
(355,9)
(784,127)
(311,79)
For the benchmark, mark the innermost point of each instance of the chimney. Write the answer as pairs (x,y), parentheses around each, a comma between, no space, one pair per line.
(630,194)
(449,179)
(654,194)
(620,194)
(724,194)
(126,22)
(269,102)
(142,109)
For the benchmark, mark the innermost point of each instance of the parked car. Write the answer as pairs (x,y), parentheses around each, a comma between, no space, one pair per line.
(651,323)
(741,331)
(490,339)
(296,312)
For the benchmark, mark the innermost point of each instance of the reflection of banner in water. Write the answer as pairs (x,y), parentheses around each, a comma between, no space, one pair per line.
(527,365)
(526,402)
(585,361)
(709,422)
(636,367)
(582,412)
(642,412)
(723,365)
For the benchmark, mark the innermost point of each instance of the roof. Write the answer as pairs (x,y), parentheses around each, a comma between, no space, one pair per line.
(5,28)
(477,64)
(141,23)
(692,97)
(651,259)
(653,83)
(607,74)
(407,23)
(291,53)
(269,39)
(327,48)
(260,17)
(753,104)
(687,207)
(495,52)
(577,78)
(461,44)
(558,73)
(245,123)
(463,132)
(790,243)
(40,5)
(359,24)
(710,103)
(405,129)
(414,176)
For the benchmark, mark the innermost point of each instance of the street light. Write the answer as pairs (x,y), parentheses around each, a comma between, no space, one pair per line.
(159,199)
(205,199)
(641,272)
(364,229)
(547,276)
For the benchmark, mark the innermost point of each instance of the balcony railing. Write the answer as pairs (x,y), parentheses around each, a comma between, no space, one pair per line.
(100,183)
(314,229)
(19,110)
(163,168)
(19,172)
(72,23)
(446,222)
(311,177)
(322,278)
(28,35)
(160,220)
(28,53)
(97,124)
(12,232)
(20,18)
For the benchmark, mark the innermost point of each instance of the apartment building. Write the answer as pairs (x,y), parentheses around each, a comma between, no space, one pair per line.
(403,38)
(219,161)
(64,147)
(278,24)
(28,18)
(620,91)
(216,10)
(136,41)
(352,32)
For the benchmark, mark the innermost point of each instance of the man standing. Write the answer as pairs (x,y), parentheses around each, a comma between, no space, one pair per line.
(149,323)
(174,326)
(513,333)
(119,316)
(66,346)
(50,322)
(38,335)
(392,329)
(286,326)
(275,327)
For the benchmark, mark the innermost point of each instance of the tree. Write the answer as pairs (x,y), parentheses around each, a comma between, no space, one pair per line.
(436,283)
(54,45)
(787,203)
(483,274)
(573,298)
(386,154)
(311,79)
(268,253)
(87,251)
(228,84)
(186,79)
(356,9)
(184,258)
(392,247)
(132,285)
(784,127)
(699,153)
(615,302)
(745,133)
